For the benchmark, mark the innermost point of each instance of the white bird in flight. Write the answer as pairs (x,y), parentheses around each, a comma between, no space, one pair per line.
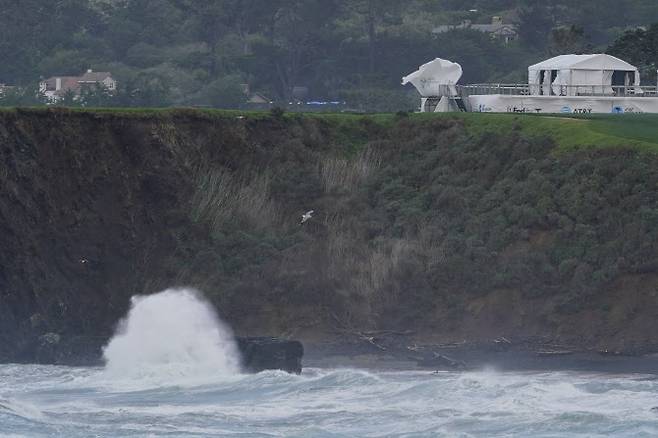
(306,216)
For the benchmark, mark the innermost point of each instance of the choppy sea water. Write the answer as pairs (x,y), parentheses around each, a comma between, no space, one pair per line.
(172,369)
(38,401)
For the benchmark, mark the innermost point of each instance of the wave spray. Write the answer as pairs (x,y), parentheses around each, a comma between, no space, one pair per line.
(171,334)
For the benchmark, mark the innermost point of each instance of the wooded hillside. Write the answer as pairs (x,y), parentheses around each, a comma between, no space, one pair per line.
(190,52)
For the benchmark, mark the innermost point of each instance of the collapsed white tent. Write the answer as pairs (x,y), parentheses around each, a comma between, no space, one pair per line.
(573,75)
(445,105)
(435,78)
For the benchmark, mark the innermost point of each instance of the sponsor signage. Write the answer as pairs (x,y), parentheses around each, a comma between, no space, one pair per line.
(562,104)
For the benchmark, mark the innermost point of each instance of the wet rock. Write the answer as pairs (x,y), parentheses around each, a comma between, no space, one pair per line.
(260,354)
(51,348)
(36,321)
(46,347)
(50,339)
(441,361)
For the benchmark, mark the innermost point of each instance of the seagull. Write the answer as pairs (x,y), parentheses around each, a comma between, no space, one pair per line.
(306,216)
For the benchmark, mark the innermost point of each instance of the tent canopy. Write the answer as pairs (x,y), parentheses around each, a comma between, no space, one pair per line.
(435,78)
(599,61)
(580,74)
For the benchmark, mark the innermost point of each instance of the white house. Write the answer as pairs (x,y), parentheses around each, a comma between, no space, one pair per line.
(56,87)
(98,77)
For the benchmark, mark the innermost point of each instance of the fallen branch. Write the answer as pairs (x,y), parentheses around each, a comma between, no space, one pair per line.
(371,340)
(389,332)
(361,335)
(451,344)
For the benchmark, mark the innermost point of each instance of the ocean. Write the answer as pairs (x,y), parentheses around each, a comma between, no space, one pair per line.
(45,401)
(172,369)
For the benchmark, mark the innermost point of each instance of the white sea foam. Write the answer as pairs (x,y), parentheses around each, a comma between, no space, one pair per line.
(170,372)
(20,409)
(171,336)
(332,402)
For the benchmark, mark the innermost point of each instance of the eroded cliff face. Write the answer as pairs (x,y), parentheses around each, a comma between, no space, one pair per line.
(86,217)
(418,225)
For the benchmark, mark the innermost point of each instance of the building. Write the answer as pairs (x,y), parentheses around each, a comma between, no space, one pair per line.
(258,99)
(56,87)
(255,100)
(565,84)
(497,29)
(92,78)
(4,88)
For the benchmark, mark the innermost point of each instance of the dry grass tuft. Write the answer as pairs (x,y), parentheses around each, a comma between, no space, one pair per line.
(369,270)
(222,197)
(338,174)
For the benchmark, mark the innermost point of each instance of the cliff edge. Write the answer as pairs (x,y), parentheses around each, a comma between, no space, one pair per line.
(442,228)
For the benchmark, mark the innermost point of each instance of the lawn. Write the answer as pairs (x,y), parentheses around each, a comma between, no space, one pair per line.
(637,131)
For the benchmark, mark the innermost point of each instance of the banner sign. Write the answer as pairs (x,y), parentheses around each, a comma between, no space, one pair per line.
(497,103)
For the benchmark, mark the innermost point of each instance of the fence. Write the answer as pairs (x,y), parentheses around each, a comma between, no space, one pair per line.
(558,90)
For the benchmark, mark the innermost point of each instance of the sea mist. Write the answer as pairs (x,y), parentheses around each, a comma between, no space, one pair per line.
(171,334)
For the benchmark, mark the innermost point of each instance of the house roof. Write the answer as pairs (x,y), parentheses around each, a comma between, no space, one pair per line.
(498,28)
(68,82)
(94,76)
(258,98)
(597,61)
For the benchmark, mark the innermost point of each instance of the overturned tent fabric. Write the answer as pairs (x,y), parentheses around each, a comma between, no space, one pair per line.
(571,75)
(445,105)
(435,78)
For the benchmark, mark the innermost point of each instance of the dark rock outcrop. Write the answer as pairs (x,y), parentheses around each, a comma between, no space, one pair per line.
(54,349)
(260,354)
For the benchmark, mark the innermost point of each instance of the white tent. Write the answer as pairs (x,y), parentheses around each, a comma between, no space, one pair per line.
(572,75)
(435,78)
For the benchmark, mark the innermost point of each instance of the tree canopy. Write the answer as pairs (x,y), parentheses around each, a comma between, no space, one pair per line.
(202,52)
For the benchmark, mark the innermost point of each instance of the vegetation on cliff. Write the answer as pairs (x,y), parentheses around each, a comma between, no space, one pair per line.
(468,226)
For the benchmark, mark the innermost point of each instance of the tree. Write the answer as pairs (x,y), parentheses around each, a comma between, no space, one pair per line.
(146,91)
(69,99)
(369,15)
(293,45)
(535,22)
(568,39)
(96,96)
(225,92)
(639,47)
(31,29)
(22,96)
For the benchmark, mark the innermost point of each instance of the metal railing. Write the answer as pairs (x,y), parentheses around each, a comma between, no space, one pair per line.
(558,90)
(430,88)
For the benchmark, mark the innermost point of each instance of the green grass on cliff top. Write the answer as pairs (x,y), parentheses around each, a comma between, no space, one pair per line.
(636,131)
